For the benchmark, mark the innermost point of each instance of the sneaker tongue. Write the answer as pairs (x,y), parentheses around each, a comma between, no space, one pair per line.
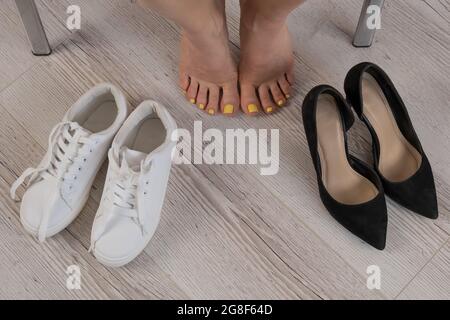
(132,158)
(86,131)
(76,126)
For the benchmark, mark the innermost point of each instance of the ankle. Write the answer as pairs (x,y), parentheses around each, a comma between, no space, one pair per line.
(205,30)
(255,19)
(206,23)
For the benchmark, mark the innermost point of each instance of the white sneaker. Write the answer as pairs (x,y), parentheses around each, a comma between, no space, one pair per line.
(59,187)
(139,167)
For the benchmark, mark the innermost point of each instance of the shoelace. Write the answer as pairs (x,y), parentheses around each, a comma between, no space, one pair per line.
(63,160)
(123,193)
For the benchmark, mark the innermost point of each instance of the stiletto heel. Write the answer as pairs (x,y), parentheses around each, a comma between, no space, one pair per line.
(350,190)
(399,159)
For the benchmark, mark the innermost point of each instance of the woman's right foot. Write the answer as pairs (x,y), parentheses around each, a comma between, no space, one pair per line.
(208,73)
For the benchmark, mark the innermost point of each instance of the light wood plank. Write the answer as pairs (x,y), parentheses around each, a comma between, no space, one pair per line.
(433,281)
(15,51)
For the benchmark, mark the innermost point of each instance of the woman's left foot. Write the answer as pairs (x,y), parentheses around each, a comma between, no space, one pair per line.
(266,69)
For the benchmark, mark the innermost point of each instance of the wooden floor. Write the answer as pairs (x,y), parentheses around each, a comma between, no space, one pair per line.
(226,232)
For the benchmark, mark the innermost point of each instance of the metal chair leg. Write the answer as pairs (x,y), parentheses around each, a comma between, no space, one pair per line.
(33,26)
(364,36)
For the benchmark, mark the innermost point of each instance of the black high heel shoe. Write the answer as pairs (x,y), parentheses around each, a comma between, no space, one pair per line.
(399,159)
(350,190)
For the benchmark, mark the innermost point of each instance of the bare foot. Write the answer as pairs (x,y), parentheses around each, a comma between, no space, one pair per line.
(208,73)
(266,69)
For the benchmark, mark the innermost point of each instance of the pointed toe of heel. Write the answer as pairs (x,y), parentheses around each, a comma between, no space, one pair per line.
(376,226)
(367,220)
(417,193)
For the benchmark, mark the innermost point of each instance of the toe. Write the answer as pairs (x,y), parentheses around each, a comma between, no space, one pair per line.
(249,101)
(230,99)
(266,100)
(277,94)
(192,91)
(285,87)
(290,77)
(184,82)
(202,96)
(213,100)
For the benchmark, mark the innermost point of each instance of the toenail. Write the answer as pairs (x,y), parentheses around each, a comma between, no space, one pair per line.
(281,103)
(192,101)
(269,110)
(229,108)
(201,106)
(288,96)
(211,111)
(252,108)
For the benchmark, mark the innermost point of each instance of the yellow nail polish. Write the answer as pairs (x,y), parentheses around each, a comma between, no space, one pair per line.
(228,109)
(269,110)
(192,101)
(201,106)
(211,111)
(252,108)
(280,103)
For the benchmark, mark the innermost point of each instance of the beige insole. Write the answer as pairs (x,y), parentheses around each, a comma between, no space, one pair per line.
(399,160)
(150,135)
(343,183)
(102,117)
